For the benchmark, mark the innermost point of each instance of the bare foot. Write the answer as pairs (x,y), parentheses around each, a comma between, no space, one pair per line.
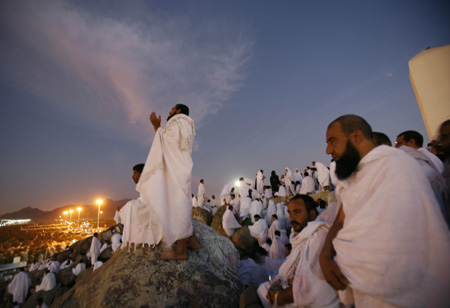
(193,243)
(173,255)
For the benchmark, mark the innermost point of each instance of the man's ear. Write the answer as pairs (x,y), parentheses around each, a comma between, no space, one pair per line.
(358,136)
(312,215)
(178,111)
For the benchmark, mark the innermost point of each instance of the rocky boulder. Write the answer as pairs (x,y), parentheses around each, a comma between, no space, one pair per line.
(106,254)
(48,296)
(216,223)
(81,247)
(202,215)
(140,278)
(66,277)
(243,240)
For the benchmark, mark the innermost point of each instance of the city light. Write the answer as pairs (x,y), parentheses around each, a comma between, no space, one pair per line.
(71,211)
(99,202)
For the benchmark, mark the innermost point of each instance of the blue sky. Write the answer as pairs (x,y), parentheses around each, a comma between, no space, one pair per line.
(78,80)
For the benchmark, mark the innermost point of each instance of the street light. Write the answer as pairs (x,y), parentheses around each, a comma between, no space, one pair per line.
(79,210)
(99,202)
(71,211)
(65,215)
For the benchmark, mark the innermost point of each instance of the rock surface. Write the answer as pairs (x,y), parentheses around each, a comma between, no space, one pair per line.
(216,223)
(202,215)
(140,278)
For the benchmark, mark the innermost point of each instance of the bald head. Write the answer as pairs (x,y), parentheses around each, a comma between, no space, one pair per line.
(350,123)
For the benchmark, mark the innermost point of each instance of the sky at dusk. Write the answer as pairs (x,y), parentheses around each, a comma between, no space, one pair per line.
(263,79)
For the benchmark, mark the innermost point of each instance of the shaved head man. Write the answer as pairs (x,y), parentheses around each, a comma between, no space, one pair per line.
(382,194)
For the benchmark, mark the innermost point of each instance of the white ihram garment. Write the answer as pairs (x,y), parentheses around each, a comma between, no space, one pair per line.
(229,222)
(201,195)
(434,159)
(117,218)
(323,175)
(95,249)
(259,231)
(394,246)
(308,185)
(245,206)
(260,182)
(272,209)
(274,227)
(277,250)
(48,283)
(281,192)
(78,269)
(255,209)
(280,215)
(19,287)
(165,184)
(115,241)
(290,189)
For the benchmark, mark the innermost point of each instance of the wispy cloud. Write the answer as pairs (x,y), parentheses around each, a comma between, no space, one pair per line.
(111,73)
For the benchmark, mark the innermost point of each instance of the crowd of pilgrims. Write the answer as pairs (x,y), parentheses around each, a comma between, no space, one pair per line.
(293,234)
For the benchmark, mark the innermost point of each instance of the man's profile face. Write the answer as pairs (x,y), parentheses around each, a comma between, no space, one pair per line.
(343,152)
(173,112)
(136,175)
(298,215)
(400,141)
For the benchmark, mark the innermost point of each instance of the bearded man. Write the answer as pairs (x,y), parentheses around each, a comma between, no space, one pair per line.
(165,185)
(389,245)
(300,282)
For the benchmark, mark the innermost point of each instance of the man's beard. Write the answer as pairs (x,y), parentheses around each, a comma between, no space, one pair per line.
(348,162)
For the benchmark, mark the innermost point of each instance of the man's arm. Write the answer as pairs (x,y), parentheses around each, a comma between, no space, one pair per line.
(330,269)
(156,121)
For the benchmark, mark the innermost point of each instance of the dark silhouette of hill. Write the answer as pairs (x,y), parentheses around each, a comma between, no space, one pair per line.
(88,211)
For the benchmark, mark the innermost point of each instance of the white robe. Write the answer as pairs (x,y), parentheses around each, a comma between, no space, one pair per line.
(194,202)
(272,209)
(245,206)
(281,192)
(260,182)
(280,215)
(394,247)
(117,218)
(95,249)
(323,175)
(34,266)
(236,205)
(19,287)
(78,269)
(165,184)
(308,186)
(255,209)
(54,266)
(229,222)
(259,231)
(274,227)
(277,250)
(201,195)
(310,288)
(48,283)
(433,158)
(290,189)
(65,264)
(268,193)
(115,241)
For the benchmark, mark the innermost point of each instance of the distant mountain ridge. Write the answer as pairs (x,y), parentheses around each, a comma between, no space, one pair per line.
(108,208)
